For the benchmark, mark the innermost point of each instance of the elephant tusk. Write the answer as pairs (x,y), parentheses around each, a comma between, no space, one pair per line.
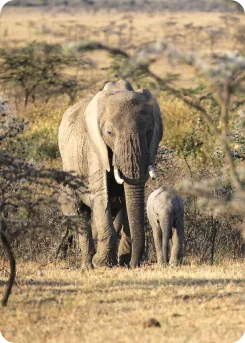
(152,172)
(118,178)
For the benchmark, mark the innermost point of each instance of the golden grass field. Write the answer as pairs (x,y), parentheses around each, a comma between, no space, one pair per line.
(20,25)
(57,303)
(194,304)
(26,24)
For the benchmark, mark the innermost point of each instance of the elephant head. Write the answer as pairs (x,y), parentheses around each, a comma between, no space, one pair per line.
(128,123)
(125,128)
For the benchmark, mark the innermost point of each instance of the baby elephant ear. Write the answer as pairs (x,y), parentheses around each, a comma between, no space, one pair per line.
(158,125)
(92,122)
(120,85)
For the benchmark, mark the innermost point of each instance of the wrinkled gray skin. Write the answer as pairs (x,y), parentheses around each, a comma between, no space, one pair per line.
(120,128)
(165,211)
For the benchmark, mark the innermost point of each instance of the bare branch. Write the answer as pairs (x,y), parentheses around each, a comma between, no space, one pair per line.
(8,249)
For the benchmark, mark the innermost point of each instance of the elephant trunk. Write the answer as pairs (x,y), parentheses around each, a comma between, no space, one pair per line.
(134,195)
(130,156)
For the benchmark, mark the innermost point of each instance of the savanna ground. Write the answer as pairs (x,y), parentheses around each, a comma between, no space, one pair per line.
(58,303)
(53,303)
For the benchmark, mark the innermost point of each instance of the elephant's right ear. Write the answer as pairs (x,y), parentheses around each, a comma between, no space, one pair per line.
(92,122)
(158,125)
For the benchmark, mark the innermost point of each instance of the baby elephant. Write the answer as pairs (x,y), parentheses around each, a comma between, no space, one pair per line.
(165,211)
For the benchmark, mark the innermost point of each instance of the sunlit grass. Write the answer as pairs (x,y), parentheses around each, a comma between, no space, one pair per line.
(192,303)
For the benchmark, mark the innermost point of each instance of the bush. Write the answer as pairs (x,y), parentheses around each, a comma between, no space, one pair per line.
(186,133)
(41,136)
(39,71)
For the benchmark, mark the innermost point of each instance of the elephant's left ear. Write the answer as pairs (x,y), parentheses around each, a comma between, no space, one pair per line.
(93,128)
(158,124)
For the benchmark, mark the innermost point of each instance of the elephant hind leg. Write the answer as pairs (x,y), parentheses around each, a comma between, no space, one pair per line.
(177,244)
(166,227)
(157,236)
(125,246)
(86,241)
(68,242)
(124,250)
(124,240)
(118,221)
(67,202)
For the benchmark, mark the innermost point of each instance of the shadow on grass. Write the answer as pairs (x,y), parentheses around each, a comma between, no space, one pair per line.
(33,282)
(58,288)
(135,283)
(180,282)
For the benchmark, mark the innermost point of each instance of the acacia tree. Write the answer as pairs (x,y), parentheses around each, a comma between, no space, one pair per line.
(38,70)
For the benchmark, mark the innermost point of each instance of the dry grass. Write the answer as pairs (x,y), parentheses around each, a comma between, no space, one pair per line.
(19,26)
(23,24)
(193,304)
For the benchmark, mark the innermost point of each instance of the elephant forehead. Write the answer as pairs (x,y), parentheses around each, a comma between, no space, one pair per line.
(128,107)
(119,101)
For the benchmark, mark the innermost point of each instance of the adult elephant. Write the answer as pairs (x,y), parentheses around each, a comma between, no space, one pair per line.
(111,141)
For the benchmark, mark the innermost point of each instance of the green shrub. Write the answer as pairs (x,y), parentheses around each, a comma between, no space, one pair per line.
(187,133)
(41,136)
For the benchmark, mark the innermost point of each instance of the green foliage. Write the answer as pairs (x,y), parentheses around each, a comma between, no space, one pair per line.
(186,133)
(40,137)
(42,145)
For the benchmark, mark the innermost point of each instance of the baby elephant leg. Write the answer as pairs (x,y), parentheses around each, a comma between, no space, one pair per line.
(177,243)
(157,235)
(166,226)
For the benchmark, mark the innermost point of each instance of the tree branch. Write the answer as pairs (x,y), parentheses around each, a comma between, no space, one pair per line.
(12,274)
(99,46)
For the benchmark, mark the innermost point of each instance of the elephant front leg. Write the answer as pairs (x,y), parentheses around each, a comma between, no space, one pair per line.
(106,252)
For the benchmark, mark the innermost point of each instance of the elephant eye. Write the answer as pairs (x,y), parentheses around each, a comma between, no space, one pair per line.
(110,132)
